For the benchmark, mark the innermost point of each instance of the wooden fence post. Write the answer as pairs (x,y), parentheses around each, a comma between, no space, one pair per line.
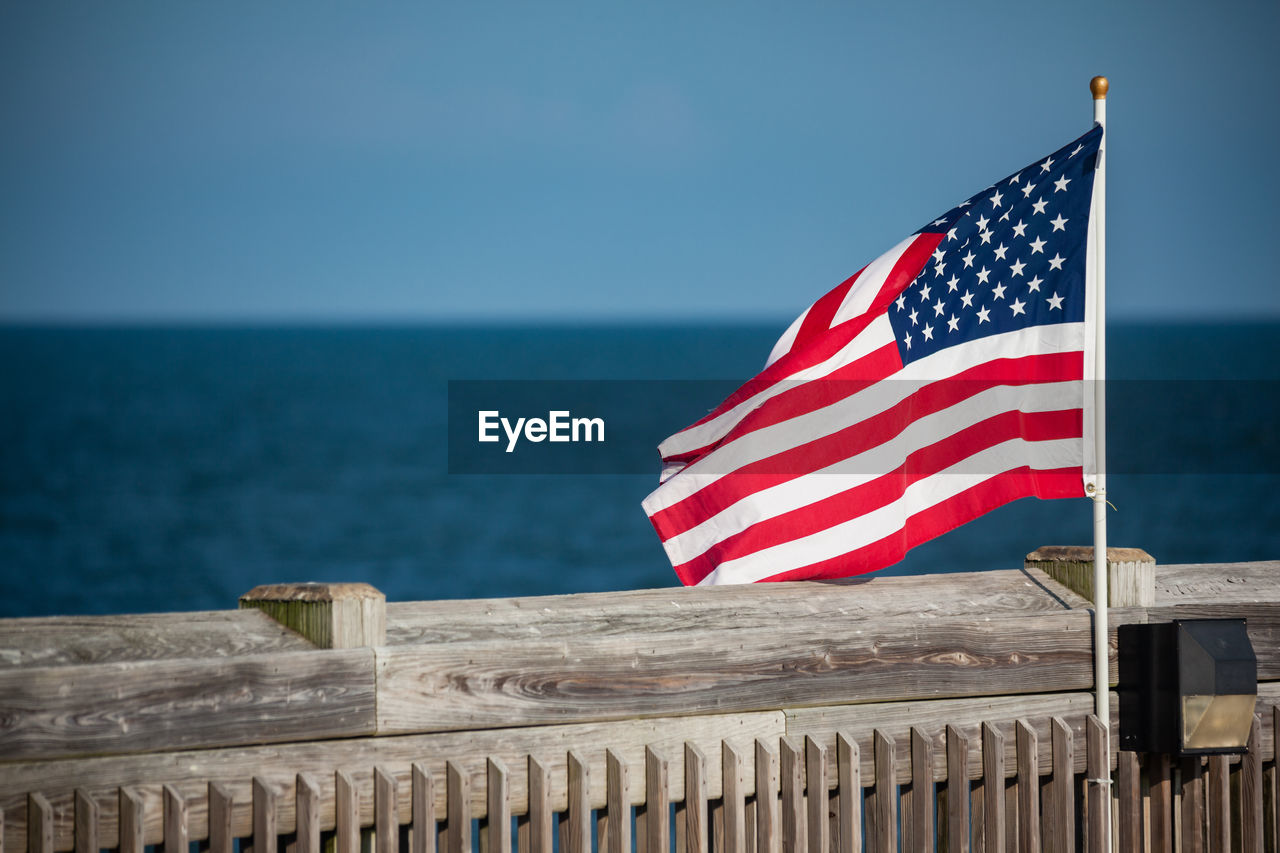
(1131,572)
(331,615)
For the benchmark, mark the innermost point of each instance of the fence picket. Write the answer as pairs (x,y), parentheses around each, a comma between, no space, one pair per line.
(495,834)
(619,804)
(816,793)
(1192,829)
(1251,791)
(993,799)
(307,809)
(1219,805)
(386,824)
(423,808)
(657,800)
(132,821)
(1028,776)
(1129,801)
(539,823)
(1273,795)
(176,836)
(957,791)
(793,827)
(458,789)
(86,818)
(732,767)
(579,804)
(886,795)
(923,801)
(691,817)
(1161,795)
(849,780)
(1059,812)
(39,824)
(768,807)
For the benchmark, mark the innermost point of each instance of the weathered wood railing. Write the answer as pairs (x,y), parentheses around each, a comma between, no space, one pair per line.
(948,712)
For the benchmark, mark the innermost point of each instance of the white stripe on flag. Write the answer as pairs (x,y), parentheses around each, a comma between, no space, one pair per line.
(776,438)
(783,346)
(867,287)
(875,462)
(892,517)
(877,334)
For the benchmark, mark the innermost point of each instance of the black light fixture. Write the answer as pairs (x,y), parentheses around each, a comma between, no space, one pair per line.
(1187,687)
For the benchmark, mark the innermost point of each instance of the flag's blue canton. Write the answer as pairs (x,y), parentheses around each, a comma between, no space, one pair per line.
(1011,256)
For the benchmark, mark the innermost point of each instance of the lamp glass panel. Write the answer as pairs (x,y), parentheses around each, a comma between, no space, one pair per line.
(1216,722)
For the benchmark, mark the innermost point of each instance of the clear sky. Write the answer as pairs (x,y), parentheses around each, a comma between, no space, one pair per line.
(443,160)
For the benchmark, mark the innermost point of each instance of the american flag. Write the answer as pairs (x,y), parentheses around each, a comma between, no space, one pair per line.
(944,379)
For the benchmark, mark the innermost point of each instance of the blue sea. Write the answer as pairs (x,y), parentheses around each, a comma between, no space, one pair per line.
(174,468)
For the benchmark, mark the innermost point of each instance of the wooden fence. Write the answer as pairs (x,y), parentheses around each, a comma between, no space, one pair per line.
(947,713)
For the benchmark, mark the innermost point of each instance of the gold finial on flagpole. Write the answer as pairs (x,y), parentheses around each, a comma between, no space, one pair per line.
(1099,86)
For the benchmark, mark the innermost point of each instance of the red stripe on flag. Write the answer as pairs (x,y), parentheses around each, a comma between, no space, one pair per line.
(891,486)
(806,354)
(856,438)
(942,517)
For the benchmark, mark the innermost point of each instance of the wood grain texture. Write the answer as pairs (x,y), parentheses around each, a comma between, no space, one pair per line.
(1129,801)
(849,784)
(957,839)
(423,812)
(579,803)
(924,804)
(1220,583)
(458,808)
(678,610)
(131,837)
(469,686)
(694,808)
(816,796)
(86,812)
(1160,781)
(932,718)
(308,806)
(1219,805)
(86,822)
(220,807)
(993,776)
(495,832)
(176,836)
(734,786)
(541,819)
(1028,776)
(330,615)
(1191,836)
(791,776)
(192,771)
(346,813)
(386,823)
(78,640)
(618,802)
(265,834)
(1060,815)
(39,824)
(885,806)
(48,712)
(768,829)
(1251,838)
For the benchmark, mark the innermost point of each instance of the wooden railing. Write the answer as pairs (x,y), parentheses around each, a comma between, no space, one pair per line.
(951,712)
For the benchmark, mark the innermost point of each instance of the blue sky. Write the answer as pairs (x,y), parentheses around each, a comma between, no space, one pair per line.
(694,161)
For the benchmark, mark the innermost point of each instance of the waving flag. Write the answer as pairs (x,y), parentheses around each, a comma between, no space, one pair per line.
(944,379)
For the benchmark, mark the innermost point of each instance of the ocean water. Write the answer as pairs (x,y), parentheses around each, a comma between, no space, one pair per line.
(151,468)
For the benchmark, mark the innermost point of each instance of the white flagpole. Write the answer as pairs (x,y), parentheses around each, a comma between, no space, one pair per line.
(1101,675)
